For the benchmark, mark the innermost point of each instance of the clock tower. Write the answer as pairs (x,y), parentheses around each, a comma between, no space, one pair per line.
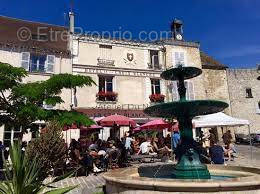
(177,30)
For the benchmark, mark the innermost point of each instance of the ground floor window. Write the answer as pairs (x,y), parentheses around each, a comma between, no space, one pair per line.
(10,135)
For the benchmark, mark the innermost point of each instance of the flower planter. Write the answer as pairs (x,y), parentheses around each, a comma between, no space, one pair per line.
(106,96)
(157,98)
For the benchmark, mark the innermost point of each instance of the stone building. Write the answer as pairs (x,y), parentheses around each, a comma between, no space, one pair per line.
(130,71)
(127,73)
(244,93)
(31,45)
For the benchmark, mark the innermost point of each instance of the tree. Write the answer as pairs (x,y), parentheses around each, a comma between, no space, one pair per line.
(49,150)
(21,103)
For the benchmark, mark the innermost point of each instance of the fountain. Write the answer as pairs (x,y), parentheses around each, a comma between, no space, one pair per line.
(189,174)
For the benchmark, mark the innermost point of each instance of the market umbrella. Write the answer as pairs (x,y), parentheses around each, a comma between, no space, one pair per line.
(91,127)
(158,124)
(119,120)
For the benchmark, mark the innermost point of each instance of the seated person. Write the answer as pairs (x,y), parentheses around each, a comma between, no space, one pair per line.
(162,148)
(216,153)
(230,151)
(135,145)
(146,148)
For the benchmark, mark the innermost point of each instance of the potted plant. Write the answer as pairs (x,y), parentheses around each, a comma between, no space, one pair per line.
(101,95)
(157,98)
(111,96)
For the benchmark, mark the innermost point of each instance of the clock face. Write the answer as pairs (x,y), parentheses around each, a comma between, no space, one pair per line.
(179,37)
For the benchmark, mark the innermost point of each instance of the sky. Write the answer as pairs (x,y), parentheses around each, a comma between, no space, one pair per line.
(228,30)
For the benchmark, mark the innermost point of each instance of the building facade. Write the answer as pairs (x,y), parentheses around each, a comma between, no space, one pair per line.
(244,92)
(127,73)
(38,54)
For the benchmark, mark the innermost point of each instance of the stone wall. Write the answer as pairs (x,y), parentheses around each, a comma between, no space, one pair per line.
(241,106)
(216,88)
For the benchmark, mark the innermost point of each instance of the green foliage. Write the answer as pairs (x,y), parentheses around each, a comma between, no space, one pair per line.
(10,76)
(24,176)
(49,150)
(22,104)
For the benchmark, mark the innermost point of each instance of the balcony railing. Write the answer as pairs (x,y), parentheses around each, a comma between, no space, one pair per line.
(105,62)
(155,66)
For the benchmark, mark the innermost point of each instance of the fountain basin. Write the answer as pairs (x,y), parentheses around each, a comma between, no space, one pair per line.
(186,108)
(236,180)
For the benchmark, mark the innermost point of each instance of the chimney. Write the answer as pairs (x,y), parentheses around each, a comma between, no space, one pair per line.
(72,22)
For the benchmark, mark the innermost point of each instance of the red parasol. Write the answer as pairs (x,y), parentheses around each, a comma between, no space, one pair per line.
(91,127)
(156,124)
(117,120)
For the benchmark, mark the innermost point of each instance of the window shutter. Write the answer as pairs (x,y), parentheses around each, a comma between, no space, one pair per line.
(179,58)
(189,90)
(148,86)
(114,84)
(50,63)
(146,56)
(162,85)
(161,58)
(175,94)
(25,63)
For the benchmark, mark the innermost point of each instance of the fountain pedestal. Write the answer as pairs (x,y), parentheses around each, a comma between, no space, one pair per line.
(189,165)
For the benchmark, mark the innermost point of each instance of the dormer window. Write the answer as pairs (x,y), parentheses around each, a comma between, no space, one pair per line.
(39,37)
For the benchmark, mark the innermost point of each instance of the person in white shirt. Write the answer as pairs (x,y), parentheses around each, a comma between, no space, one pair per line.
(128,142)
(146,147)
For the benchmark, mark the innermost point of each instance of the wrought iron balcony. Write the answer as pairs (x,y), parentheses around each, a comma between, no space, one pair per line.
(105,62)
(155,66)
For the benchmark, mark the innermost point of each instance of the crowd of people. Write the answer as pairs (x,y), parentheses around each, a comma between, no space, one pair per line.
(97,155)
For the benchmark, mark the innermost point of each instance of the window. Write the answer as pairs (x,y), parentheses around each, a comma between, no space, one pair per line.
(179,58)
(37,62)
(105,51)
(258,108)
(105,84)
(154,59)
(190,95)
(105,55)
(39,37)
(155,86)
(249,93)
(10,135)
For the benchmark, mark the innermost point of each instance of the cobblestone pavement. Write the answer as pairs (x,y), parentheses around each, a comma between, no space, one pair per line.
(93,184)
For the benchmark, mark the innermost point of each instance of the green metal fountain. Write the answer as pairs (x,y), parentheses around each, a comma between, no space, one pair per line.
(189,165)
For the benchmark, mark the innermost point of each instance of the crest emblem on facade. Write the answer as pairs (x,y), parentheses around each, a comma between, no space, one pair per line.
(130,57)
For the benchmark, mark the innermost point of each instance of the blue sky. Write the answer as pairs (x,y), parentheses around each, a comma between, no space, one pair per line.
(228,30)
